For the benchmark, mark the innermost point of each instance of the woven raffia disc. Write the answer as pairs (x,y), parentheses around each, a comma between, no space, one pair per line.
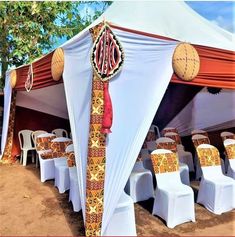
(57,64)
(186,62)
(13,78)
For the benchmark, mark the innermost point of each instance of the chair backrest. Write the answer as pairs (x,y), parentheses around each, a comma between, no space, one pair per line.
(151,136)
(169,129)
(199,139)
(25,139)
(43,141)
(166,143)
(227,135)
(60,144)
(199,131)
(208,155)
(174,136)
(60,132)
(229,145)
(37,133)
(70,155)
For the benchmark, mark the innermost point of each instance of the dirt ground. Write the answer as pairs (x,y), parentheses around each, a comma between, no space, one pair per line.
(31,208)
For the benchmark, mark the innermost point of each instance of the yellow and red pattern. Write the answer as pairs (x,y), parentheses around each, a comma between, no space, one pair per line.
(96,157)
(166,130)
(230,150)
(151,136)
(7,154)
(168,146)
(60,146)
(53,155)
(70,159)
(175,137)
(44,143)
(163,163)
(208,156)
(197,142)
(232,136)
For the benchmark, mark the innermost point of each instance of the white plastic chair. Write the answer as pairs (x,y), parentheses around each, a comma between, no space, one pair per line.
(122,222)
(60,132)
(216,191)
(199,131)
(184,156)
(61,167)
(174,201)
(169,144)
(229,145)
(34,135)
(169,129)
(74,194)
(47,166)
(140,183)
(25,145)
(227,135)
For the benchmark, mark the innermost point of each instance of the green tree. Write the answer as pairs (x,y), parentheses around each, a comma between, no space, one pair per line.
(29,29)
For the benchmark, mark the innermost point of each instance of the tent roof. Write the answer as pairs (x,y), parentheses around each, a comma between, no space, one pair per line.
(173,19)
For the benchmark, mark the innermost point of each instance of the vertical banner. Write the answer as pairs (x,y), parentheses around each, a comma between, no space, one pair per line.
(7,154)
(106,58)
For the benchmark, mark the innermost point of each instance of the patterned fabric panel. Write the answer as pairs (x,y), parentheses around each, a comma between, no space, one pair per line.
(151,136)
(71,159)
(166,130)
(60,146)
(167,145)
(198,142)
(208,156)
(228,137)
(44,143)
(163,163)
(230,150)
(176,138)
(52,155)
(139,158)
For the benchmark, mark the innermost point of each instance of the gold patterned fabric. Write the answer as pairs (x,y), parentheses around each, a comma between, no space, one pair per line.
(232,136)
(60,146)
(163,163)
(151,136)
(230,150)
(44,143)
(53,155)
(7,154)
(208,156)
(197,142)
(175,137)
(166,130)
(96,157)
(168,146)
(70,159)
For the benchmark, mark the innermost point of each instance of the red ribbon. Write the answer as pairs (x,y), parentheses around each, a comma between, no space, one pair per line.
(108,111)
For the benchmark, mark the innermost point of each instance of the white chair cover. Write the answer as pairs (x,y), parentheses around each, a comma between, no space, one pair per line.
(122,222)
(47,166)
(61,169)
(216,191)
(231,161)
(140,183)
(174,201)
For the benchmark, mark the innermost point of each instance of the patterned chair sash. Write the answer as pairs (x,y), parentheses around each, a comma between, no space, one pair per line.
(44,143)
(197,142)
(231,136)
(70,159)
(163,163)
(168,146)
(230,150)
(53,155)
(208,156)
(202,132)
(151,136)
(175,137)
(60,146)
(166,130)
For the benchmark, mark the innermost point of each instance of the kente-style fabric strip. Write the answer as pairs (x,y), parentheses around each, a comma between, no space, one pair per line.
(7,154)
(168,146)
(163,163)
(197,142)
(70,159)
(166,130)
(208,156)
(232,136)
(53,155)
(176,138)
(44,143)
(151,136)
(60,146)
(230,150)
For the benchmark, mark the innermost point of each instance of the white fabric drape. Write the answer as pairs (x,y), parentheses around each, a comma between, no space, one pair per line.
(136,93)
(6,111)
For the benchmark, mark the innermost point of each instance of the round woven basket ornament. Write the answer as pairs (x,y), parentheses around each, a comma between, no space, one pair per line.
(13,78)
(57,64)
(186,62)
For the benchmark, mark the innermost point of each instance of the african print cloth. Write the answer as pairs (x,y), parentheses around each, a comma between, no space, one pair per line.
(175,137)
(230,150)
(44,143)
(232,136)
(208,156)
(168,146)
(151,136)
(7,154)
(70,159)
(197,142)
(163,163)
(166,130)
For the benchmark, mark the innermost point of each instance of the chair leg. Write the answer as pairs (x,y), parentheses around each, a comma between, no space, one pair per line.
(25,154)
(37,158)
(21,156)
(33,156)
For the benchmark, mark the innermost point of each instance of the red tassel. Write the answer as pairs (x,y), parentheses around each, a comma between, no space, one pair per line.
(108,111)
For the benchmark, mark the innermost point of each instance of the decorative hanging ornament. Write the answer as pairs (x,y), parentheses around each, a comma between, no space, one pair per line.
(29,81)
(107,58)
(57,64)
(214,90)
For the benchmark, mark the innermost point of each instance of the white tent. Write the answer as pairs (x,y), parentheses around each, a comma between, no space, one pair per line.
(136,91)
